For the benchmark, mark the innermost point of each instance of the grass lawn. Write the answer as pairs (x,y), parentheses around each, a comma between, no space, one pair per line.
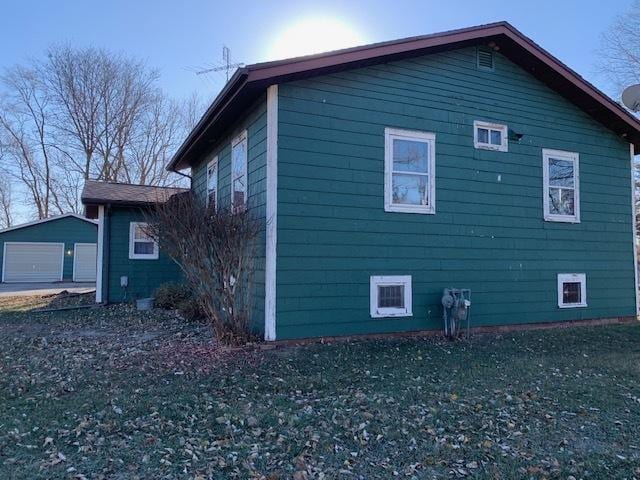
(116,394)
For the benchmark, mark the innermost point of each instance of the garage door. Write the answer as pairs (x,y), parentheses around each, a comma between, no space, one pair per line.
(32,262)
(84,262)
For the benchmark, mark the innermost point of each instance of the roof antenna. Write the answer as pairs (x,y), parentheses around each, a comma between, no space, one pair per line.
(631,97)
(226,60)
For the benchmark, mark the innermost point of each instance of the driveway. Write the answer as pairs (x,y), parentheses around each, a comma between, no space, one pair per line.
(29,289)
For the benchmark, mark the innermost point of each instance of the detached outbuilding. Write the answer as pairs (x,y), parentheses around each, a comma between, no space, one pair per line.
(55,249)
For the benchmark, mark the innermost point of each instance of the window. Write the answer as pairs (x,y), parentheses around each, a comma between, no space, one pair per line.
(212,183)
(409,171)
(484,59)
(390,296)
(490,136)
(239,172)
(572,290)
(141,245)
(561,186)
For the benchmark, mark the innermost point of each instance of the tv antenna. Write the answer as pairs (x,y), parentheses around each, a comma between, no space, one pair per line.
(631,98)
(226,60)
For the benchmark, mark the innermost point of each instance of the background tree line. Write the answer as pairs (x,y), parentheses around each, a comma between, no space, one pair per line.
(83,113)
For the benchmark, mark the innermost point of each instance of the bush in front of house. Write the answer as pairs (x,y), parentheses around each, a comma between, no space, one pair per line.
(216,250)
(178,296)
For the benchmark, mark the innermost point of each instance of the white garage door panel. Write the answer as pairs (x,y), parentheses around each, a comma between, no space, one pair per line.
(84,262)
(33,262)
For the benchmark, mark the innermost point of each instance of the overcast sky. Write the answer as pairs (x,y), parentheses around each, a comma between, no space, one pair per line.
(181,36)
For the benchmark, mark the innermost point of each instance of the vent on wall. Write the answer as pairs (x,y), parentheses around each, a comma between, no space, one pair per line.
(485,59)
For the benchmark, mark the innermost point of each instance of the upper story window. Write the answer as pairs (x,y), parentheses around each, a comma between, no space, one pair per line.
(409,171)
(212,183)
(490,136)
(561,186)
(239,172)
(141,245)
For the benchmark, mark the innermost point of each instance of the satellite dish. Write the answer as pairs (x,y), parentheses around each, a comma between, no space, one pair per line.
(631,97)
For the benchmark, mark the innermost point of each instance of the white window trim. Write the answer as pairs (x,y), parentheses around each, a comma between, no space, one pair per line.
(504,134)
(240,138)
(140,256)
(214,161)
(572,278)
(377,281)
(561,155)
(430,138)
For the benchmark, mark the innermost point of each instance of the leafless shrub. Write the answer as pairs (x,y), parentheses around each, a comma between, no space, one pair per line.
(216,251)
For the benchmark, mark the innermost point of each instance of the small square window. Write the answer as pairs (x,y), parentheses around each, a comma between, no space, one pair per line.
(490,136)
(390,296)
(572,290)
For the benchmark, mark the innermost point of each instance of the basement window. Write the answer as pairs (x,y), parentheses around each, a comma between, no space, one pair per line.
(390,296)
(239,172)
(212,183)
(490,136)
(141,245)
(572,290)
(409,161)
(561,185)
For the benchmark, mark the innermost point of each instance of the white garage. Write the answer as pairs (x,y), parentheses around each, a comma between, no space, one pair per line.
(33,262)
(53,249)
(84,262)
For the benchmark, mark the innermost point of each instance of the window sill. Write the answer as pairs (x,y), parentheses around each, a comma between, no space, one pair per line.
(424,210)
(494,148)
(573,305)
(143,257)
(561,219)
(391,314)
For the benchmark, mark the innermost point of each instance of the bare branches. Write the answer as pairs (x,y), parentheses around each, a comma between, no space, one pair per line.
(87,113)
(619,53)
(216,252)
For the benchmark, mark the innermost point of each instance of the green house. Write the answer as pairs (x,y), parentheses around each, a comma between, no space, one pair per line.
(385,173)
(55,249)
(130,264)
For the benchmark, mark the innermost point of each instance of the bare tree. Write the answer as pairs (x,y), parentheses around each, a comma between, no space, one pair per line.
(216,251)
(6,214)
(87,113)
(619,53)
(25,130)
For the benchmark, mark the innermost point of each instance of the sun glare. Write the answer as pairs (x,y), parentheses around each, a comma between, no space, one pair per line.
(314,35)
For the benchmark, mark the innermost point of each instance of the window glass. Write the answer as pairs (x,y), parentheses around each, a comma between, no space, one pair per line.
(483,135)
(390,296)
(571,292)
(410,189)
(496,137)
(212,182)
(410,156)
(239,173)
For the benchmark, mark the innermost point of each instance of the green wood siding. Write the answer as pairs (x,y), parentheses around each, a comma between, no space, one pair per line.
(68,230)
(255,122)
(144,275)
(488,233)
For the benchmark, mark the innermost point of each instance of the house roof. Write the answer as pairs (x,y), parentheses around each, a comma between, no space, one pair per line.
(248,83)
(112,193)
(49,219)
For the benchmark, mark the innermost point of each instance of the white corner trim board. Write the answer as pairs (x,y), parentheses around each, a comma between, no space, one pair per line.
(272,214)
(100,254)
(633,229)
